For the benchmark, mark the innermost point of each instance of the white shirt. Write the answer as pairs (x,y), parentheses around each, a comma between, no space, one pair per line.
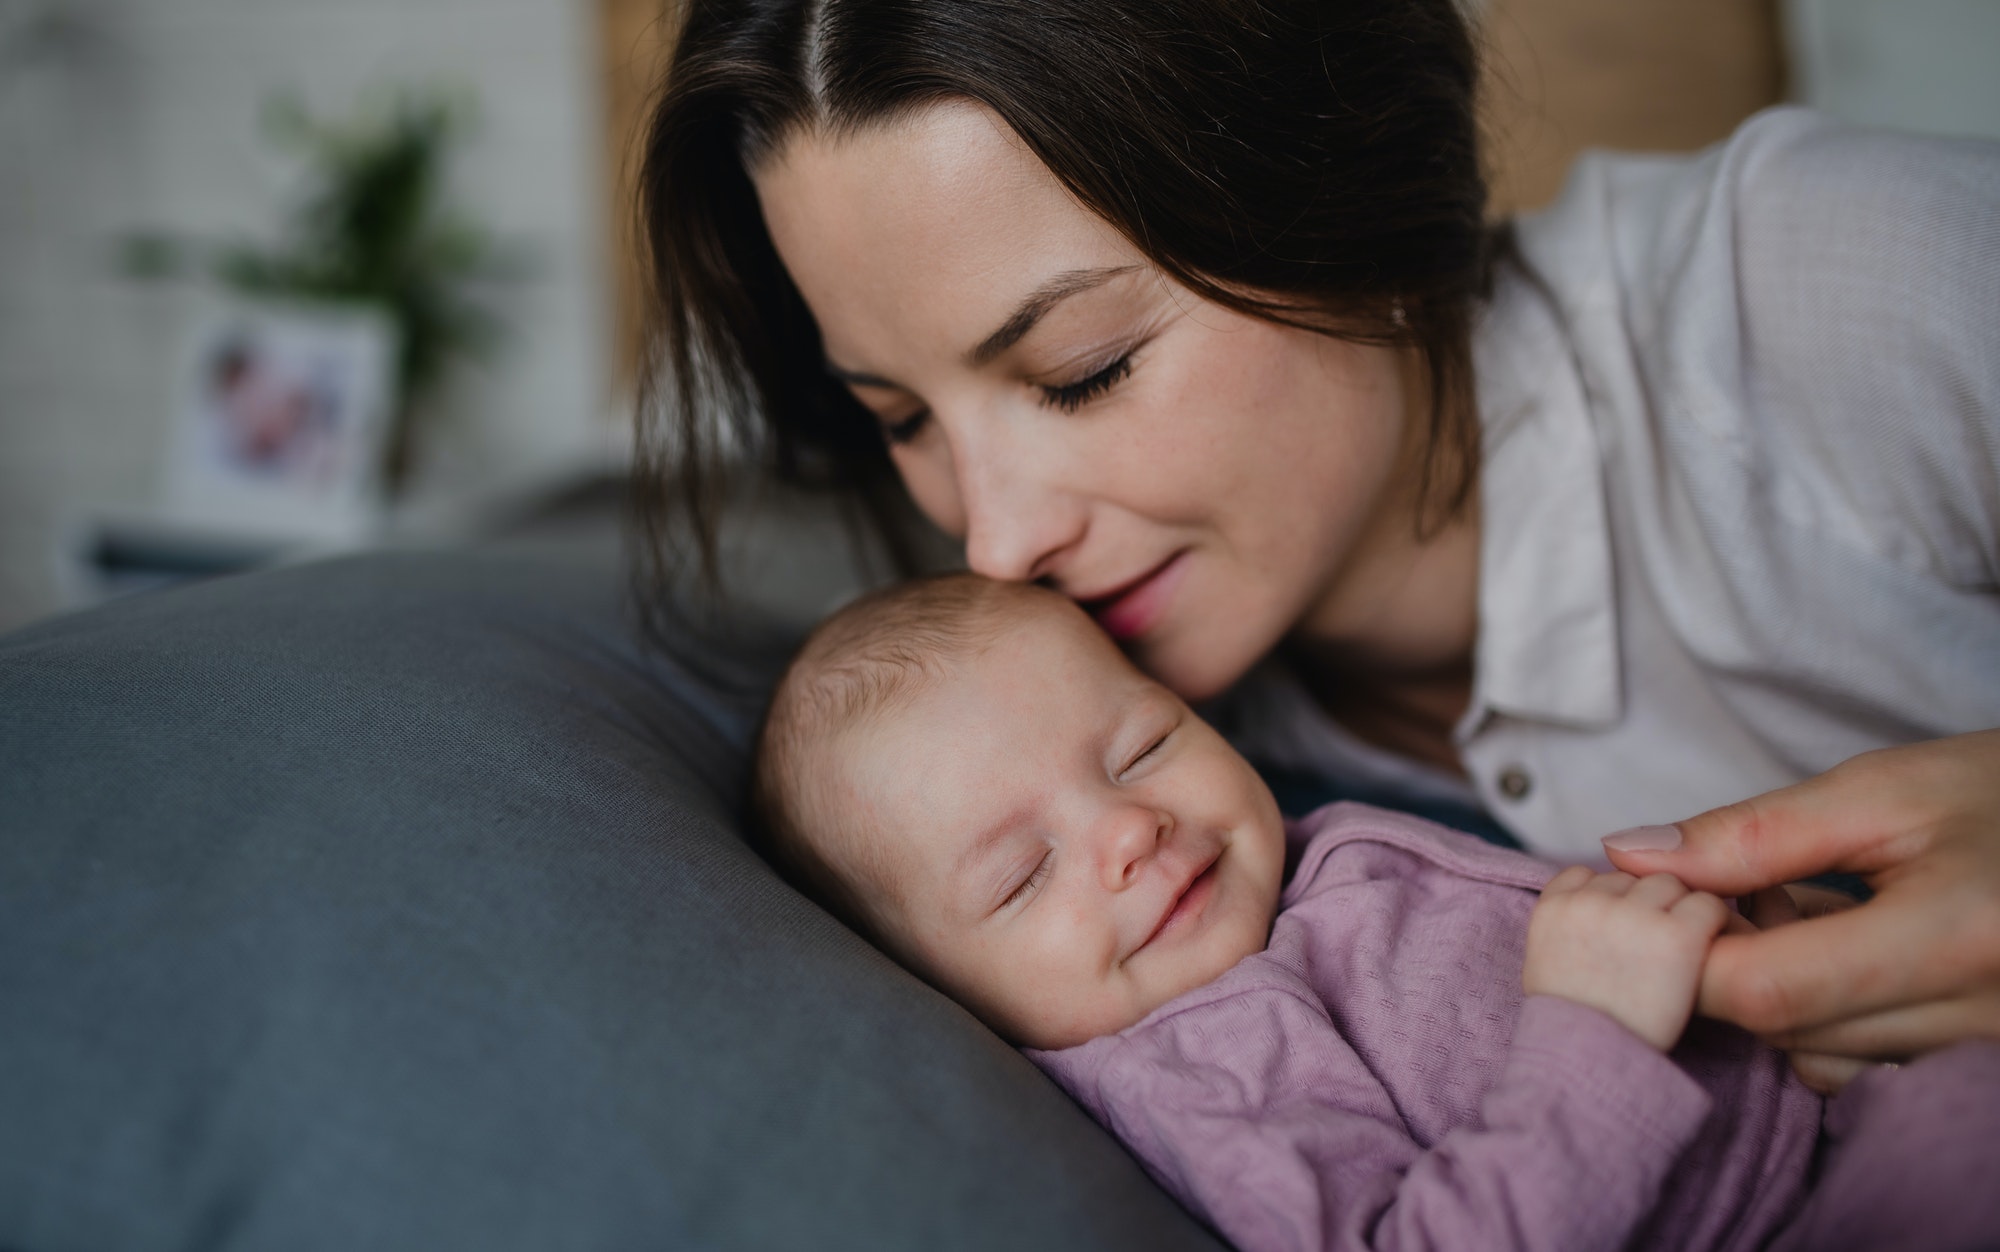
(1741,489)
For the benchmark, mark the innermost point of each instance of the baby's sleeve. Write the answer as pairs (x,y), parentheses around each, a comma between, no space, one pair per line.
(1257,1115)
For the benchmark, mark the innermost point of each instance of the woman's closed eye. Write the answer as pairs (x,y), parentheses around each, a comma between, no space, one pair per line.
(1066,397)
(906,429)
(1069,397)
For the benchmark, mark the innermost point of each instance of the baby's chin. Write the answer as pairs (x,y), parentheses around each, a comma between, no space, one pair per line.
(1069,1032)
(1111,1013)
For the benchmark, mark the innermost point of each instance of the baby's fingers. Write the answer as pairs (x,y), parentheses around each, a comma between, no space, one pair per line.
(1657,891)
(1575,878)
(1702,912)
(1615,883)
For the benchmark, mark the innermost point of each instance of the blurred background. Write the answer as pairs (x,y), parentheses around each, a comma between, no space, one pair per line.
(169,165)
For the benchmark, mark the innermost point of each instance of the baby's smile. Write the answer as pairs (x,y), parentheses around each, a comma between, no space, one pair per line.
(1188,905)
(1053,837)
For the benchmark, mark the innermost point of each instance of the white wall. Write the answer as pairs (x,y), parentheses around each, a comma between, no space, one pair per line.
(1924,65)
(125,114)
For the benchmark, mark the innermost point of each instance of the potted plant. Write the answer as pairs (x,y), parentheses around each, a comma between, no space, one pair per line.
(373,227)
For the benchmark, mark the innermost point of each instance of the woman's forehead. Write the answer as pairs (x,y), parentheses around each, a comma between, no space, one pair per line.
(927,229)
(948,143)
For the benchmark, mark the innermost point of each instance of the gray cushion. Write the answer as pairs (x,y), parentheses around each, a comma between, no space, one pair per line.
(396,902)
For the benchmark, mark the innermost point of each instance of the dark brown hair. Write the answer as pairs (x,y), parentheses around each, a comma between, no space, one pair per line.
(1312,162)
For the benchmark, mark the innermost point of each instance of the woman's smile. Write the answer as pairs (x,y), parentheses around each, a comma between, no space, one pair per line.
(1129,611)
(1198,314)
(1224,480)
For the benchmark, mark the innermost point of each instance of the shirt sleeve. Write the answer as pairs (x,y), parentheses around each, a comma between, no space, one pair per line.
(1273,1130)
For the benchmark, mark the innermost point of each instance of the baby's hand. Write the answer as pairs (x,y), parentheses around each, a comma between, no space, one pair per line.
(1629,947)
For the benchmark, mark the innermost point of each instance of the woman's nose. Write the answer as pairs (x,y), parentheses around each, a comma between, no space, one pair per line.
(1130,835)
(1018,522)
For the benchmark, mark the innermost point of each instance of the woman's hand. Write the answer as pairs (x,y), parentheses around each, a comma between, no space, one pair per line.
(1915,968)
(1631,948)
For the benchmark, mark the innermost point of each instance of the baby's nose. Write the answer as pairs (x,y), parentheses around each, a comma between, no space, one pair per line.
(1132,834)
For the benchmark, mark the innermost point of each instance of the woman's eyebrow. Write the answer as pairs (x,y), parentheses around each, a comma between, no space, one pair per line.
(1036,306)
(1031,310)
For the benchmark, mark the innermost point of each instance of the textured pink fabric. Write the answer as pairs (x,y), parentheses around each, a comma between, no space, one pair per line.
(1911,1160)
(1375,1078)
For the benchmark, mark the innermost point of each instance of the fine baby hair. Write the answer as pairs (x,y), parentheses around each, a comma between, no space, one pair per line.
(858,664)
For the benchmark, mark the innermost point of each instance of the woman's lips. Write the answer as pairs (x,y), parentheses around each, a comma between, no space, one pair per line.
(1136,608)
(1190,904)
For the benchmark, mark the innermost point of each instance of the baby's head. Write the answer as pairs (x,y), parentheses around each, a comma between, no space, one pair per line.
(971,774)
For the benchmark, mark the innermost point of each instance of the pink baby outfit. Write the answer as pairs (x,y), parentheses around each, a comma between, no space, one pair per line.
(1376,1079)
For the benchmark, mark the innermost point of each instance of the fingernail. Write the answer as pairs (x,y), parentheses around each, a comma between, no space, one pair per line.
(1645,839)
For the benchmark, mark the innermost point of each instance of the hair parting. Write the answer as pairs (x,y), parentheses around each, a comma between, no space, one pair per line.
(1311,162)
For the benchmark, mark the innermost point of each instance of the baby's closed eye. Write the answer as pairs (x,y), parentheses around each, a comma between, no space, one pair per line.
(1151,750)
(1028,885)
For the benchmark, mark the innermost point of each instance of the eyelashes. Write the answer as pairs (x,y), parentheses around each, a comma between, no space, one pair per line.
(907,429)
(1040,874)
(1067,398)
(1155,746)
(1072,396)
(1035,878)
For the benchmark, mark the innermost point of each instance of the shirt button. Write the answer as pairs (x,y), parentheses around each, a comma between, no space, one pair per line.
(1514,783)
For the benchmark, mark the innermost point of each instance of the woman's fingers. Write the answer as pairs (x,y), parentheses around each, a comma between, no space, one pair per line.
(1872,813)
(1916,967)
(1757,843)
(1806,900)
(1826,1074)
(1826,969)
(1771,907)
(1900,1032)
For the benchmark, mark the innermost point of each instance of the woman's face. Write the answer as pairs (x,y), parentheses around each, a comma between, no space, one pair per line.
(1202,481)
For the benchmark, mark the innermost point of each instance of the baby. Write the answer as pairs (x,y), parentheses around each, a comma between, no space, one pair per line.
(1358,1030)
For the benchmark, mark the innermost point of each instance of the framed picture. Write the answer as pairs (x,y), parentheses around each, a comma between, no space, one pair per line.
(283,412)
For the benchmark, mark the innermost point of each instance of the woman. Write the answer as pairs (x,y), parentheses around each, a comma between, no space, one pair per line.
(1689,492)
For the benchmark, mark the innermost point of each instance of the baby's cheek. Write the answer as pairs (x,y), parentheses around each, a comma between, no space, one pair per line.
(1065,1015)
(1166,980)
(1124,1003)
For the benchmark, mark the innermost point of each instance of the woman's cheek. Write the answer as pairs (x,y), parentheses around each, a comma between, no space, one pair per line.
(1207,644)
(928,477)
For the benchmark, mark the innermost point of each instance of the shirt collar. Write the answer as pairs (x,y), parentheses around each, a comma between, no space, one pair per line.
(1548,625)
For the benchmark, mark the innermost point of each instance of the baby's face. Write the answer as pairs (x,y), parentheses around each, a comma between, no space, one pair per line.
(1056,839)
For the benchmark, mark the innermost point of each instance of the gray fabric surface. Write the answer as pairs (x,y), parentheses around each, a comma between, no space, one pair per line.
(395,902)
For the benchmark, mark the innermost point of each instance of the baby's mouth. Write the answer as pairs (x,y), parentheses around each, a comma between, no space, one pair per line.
(1189,904)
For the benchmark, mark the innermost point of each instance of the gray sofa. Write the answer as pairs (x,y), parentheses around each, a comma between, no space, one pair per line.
(399,902)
